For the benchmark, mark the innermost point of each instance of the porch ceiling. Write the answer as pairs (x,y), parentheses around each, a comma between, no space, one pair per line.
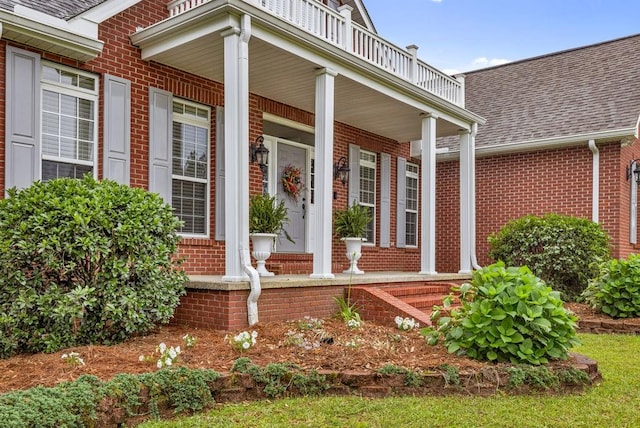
(283,76)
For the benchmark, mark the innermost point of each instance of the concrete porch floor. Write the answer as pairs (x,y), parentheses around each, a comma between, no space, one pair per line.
(213,282)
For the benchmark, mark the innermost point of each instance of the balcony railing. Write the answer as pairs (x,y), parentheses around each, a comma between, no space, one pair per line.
(338,29)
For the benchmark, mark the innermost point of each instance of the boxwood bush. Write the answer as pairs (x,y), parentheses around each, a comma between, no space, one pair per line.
(564,251)
(616,289)
(84,262)
(506,314)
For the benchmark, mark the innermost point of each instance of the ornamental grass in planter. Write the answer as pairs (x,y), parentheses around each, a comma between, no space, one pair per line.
(351,226)
(267,218)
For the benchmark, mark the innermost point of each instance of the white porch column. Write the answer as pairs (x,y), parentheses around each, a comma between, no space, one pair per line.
(236,140)
(324,172)
(428,208)
(465,201)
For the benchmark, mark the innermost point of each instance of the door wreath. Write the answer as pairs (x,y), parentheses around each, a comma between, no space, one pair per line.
(292,182)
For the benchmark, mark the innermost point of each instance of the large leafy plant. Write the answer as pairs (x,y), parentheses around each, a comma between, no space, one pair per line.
(505,314)
(564,251)
(616,289)
(84,262)
(352,221)
(268,215)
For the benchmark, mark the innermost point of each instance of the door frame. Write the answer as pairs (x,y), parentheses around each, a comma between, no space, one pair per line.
(271,143)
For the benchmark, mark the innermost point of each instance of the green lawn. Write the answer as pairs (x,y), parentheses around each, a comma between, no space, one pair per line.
(613,403)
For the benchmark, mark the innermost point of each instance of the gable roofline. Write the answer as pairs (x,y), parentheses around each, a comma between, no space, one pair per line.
(548,55)
(48,37)
(364,13)
(75,38)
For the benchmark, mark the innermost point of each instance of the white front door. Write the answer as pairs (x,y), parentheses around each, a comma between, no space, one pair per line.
(295,156)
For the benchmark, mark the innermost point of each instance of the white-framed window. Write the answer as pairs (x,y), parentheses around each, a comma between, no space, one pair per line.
(69,122)
(411,211)
(368,190)
(190,166)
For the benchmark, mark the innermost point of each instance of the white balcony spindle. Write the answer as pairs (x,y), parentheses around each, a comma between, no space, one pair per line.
(339,29)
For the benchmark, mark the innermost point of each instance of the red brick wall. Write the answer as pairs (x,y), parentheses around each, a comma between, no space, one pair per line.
(227,310)
(548,181)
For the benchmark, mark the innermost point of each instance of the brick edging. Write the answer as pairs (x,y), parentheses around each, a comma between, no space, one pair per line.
(486,381)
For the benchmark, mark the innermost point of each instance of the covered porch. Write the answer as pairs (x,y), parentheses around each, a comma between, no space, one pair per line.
(302,54)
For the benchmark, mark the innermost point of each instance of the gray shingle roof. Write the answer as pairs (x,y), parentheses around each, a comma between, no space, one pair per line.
(63,9)
(589,89)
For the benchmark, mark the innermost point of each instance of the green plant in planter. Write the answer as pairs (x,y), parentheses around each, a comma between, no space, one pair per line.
(352,222)
(267,215)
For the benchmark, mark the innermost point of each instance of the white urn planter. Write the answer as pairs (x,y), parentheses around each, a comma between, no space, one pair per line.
(354,252)
(262,248)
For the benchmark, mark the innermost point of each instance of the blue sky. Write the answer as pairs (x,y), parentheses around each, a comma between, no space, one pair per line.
(462,35)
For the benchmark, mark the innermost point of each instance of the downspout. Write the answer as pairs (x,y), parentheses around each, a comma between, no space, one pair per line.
(595,204)
(472,197)
(254,280)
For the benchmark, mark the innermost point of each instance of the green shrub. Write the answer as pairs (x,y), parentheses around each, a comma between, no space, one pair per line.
(84,262)
(564,251)
(616,289)
(506,314)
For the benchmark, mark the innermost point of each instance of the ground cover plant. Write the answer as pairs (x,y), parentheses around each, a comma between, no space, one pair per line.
(83,261)
(564,251)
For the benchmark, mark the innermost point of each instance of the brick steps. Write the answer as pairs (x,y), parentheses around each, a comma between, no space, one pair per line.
(384,303)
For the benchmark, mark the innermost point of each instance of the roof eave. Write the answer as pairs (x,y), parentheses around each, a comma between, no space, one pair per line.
(51,39)
(546,143)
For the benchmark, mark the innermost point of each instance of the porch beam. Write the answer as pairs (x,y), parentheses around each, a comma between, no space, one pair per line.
(465,202)
(236,138)
(428,207)
(324,116)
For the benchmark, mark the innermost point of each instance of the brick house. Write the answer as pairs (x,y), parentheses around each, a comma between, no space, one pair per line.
(170,97)
(561,135)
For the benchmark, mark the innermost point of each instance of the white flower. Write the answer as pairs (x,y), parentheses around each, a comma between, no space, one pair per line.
(353,323)
(162,347)
(399,320)
(245,345)
(159,364)
(178,349)
(141,358)
(64,356)
(168,362)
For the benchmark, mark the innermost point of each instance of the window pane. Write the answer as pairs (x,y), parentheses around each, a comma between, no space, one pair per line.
(85,109)
(50,73)
(68,127)
(50,145)
(412,229)
(50,123)
(189,204)
(85,150)
(69,105)
(370,234)
(51,170)
(85,130)
(87,82)
(50,101)
(67,78)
